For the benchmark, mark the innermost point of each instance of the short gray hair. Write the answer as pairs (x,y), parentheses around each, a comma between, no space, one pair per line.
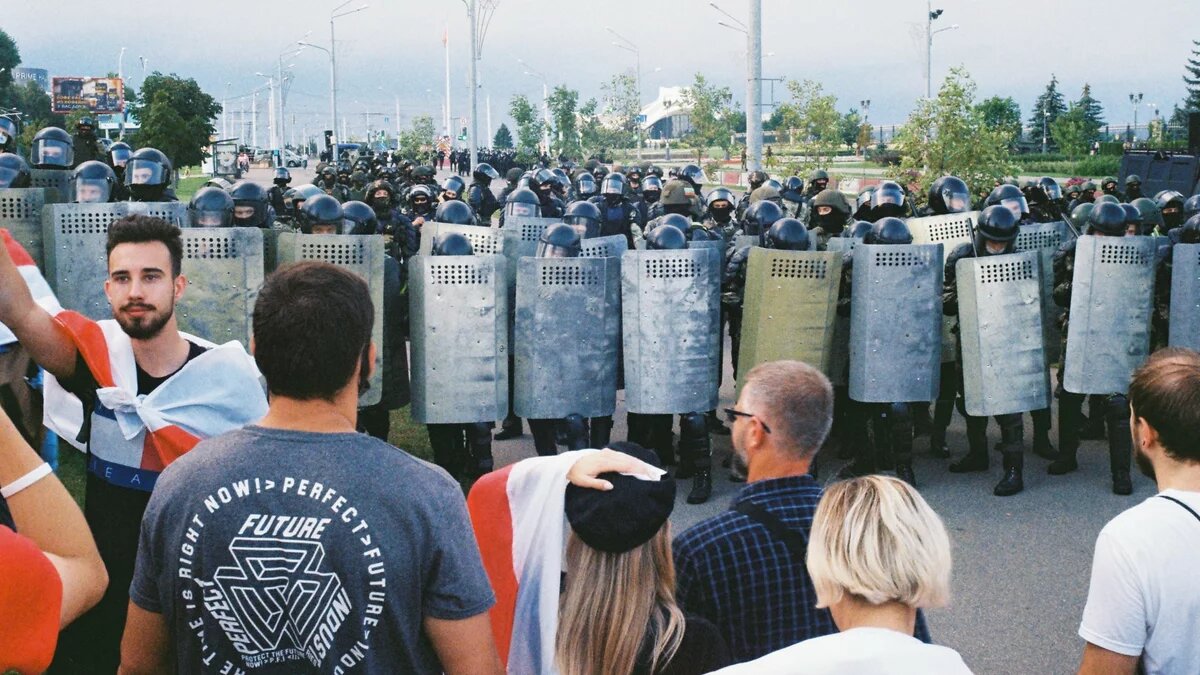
(796,402)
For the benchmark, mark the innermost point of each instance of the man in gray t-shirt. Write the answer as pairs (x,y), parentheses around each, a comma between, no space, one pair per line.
(297,544)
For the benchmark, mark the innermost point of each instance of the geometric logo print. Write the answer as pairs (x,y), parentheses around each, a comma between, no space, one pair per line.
(277,591)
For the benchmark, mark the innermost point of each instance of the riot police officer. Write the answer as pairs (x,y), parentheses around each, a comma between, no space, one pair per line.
(52,148)
(8,134)
(719,207)
(455,211)
(542,183)
(617,214)
(585,217)
(148,176)
(332,186)
(1170,204)
(1133,187)
(403,237)
(84,142)
(694,176)
(828,216)
(14,171)
(511,177)
(1108,185)
(94,182)
(649,205)
(210,207)
(817,180)
(251,208)
(888,201)
(794,200)
(280,183)
(754,180)
(480,195)
(1011,198)
(419,204)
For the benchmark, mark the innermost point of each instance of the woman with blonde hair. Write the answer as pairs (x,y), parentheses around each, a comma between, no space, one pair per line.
(877,553)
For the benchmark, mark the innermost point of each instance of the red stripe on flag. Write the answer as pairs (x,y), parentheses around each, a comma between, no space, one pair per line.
(89,340)
(19,255)
(165,446)
(491,518)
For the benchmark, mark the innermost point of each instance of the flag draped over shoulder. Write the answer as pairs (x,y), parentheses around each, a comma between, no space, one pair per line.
(38,287)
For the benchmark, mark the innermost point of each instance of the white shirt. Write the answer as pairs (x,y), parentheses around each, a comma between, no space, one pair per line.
(858,651)
(1144,595)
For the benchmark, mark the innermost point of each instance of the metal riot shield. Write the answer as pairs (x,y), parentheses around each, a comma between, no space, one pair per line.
(484,240)
(224,269)
(842,244)
(21,215)
(57,183)
(459,330)
(1185,297)
(895,323)
(565,338)
(950,230)
(790,307)
(671,321)
(612,246)
(361,254)
(715,244)
(839,362)
(1045,238)
(1000,327)
(519,239)
(744,240)
(1111,303)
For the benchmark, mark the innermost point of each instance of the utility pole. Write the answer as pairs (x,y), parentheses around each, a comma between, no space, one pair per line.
(629,46)
(121,77)
(473,137)
(754,137)
(254,119)
(931,15)
(446,46)
(1135,100)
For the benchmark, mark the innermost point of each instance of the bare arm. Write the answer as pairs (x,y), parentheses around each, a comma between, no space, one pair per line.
(46,514)
(33,326)
(146,645)
(1100,661)
(464,646)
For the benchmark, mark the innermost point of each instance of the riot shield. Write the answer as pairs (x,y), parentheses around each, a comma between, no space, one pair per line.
(1000,327)
(949,230)
(895,323)
(743,240)
(612,246)
(1111,303)
(57,183)
(842,244)
(714,244)
(75,256)
(484,240)
(459,330)
(224,269)
(1045,238)
(565,337)
(519,239)
(790,307)
(1185,297)
(361,254)
(21,215)
(671,322)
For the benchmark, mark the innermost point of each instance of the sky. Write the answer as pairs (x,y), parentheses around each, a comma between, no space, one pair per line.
(392,51)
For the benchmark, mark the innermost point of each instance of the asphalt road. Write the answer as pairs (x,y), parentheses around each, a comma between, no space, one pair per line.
(1021,563)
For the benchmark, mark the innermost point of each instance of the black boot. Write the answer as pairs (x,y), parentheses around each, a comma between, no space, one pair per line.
(576,431)
(937,442)
(701,487)
(449,446)
(479,446)
(922,423)
(1041,434)
(1012,483)
(1093,425)
(543,437)
(1070,417)
(601,431)
(900,438)
(510,428)
(976,458)
(714,424)
(695,448)
(904,471)
(1120,445)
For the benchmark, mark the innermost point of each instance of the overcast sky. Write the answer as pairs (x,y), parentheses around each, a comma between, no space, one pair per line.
(858,49)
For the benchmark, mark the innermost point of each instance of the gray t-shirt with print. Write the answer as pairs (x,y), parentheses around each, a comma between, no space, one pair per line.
(272,551)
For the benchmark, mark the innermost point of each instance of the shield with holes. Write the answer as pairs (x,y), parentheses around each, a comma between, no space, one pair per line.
(949,230)
(519,239)
(1108,335)
(566,334)
(21,215)
(1000,328)
(842,244)
(714,244)
(671,329)
(743,240)
(224,270)
(790,308)
(57,183)
(896,322)
(484,240)
(361,254)
(75,256)
(1184,329)
(611,246)
(1046,238)
(459,330)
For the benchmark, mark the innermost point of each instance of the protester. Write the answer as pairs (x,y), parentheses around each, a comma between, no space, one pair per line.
(877,553)
(311,546)
(51,572)
(1143,606)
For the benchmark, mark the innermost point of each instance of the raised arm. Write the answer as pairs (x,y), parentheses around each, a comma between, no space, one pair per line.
(33,326)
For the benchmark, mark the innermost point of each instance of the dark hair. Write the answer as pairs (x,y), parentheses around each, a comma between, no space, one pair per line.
(312,326)
(139,229)
(1165,392)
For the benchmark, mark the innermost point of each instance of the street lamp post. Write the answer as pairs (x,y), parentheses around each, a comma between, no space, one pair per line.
(271,110)
(1135,100)
(629,46)
(931,15)
(753,33)
(121,77)
(545,102)
(332,52)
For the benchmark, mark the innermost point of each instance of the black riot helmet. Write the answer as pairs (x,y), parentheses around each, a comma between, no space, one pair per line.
(599,171)
(453,187)
(830,211)
(859,230)
(693,174)
(584,216)
(14,171)
(148,167)
(949,194)
(420,199)
(522,202)
(651,189)
(424,174)
(1050,188)
(888,201)
(613,186)
(1189,232)
(818,180)
(85,127)
(1191,206)
(250,204)
(794,184)
(996,232)
(586,186)
(512,176)
(1170,203)
(484,173)
(1107,220)
(889,231)
(634,175)
(542,182)
(454,211)
(760,216)
(361,218)
(210,207)
(451,243)
(321,211)
(719,203)
(8,134)
(1011,198)
(282,178)
(558,241)
(666,239)
(371,195)
(774,185)
(329,174)
(677,221)
(756,179)
(93,182)
(52,149)
(787,234)
(1151,217)
(1133,219)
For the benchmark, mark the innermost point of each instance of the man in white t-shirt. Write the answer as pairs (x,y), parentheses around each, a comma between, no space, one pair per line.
(1144,599)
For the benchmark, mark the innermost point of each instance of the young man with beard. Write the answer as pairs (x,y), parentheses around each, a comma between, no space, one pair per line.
(1143,606)
(120,390)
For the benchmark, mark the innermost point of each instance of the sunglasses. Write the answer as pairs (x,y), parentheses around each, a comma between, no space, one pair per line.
(731,414)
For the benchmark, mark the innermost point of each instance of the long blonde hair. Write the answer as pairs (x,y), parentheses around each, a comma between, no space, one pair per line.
(610,601)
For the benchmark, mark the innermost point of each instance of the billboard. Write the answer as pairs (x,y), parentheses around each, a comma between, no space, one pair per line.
(97,94)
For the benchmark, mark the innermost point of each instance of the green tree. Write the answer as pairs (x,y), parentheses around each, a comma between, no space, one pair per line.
(1192,79)
(949,135)
(849,127)
(416,142)
(564,137)
(711,111)
(622,105)
(1072,132)
(34,106)
(815,124)
(1052,104)
(529,128)
(10,57)
(594,136)
(503,139)
(1002,113)
(1093,113)
(176,117)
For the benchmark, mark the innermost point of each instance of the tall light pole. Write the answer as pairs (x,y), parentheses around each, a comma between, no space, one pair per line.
(629,46)
(287,53)
(271,109)
(753,33)
(332,52)
(121,77)
(866,107)
(145,62)
(931,15)
(1135,100)
(545,101)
